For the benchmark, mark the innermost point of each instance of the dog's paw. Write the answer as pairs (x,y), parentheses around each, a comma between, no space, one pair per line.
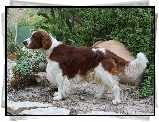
(56,94)
(116,102)
(58,97)
(97,96)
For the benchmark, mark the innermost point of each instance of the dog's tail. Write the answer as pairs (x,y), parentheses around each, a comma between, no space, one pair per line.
(137,66)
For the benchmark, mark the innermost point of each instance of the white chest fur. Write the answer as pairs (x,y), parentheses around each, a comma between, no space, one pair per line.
(52,70)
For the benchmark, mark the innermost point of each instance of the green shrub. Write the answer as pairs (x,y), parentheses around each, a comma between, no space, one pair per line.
(28,18)
(134,27)
(10,34)
(13,49)
(30,63)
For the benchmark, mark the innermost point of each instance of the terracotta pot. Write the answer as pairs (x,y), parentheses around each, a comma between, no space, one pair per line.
(13,57)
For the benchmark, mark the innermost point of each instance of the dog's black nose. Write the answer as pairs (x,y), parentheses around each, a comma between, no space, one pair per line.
(25,43)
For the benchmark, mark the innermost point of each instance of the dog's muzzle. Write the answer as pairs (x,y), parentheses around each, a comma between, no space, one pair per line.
(26,42)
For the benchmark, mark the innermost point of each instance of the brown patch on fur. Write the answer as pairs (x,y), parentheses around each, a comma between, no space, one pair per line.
(81,60)
(73,60)
(113,63)
(40,39)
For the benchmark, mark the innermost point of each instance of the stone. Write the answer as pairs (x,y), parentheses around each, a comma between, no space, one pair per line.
(15,108)
(46,111)
(82,98)
(34,108)
(10,65)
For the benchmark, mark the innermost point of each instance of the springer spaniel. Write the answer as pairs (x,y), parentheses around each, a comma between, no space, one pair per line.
(69,63)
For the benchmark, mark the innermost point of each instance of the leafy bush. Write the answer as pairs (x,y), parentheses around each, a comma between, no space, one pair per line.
(134,27)
(10,34)
(13,50)
(31,62)
(28,18)
(138,36)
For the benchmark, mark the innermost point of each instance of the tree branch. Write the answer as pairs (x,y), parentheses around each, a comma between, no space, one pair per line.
(69,24)
(78,20)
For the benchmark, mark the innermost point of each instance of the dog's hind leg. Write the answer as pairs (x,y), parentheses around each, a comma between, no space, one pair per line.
(101,94)
(116,91)
(113,84)
(114,87)
(108,80)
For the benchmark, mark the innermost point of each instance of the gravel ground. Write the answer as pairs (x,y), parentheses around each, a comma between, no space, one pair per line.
(82,101)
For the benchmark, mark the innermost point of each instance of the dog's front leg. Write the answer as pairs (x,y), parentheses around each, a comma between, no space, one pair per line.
(63,87)
(58,95)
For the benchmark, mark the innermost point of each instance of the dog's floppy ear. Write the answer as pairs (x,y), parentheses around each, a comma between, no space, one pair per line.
(46,41)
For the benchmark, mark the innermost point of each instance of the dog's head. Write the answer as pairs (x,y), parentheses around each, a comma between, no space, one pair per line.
(38,39)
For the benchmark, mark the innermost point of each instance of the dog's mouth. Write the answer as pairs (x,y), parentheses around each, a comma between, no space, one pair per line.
(25,43)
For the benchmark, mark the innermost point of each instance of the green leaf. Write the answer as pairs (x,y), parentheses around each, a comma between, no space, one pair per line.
(52,13)
(44,15)
(45,28)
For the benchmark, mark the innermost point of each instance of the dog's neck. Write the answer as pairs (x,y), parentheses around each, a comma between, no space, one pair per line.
(47,52)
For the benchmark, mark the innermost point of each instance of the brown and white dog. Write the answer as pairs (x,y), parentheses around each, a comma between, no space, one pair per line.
(69,63)
(120,50)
